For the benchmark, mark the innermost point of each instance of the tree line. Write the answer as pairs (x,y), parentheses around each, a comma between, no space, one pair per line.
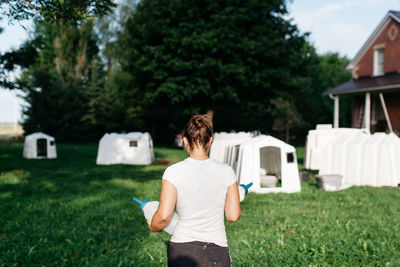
(148,65)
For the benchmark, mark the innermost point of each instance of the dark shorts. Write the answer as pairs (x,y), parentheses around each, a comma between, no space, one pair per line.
(197,253)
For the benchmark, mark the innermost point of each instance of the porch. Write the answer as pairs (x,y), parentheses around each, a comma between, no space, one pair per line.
(376,102)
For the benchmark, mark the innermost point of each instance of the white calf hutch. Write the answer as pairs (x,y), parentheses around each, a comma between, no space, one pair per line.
(366,159)
(222,142)
(134,148)
(317,140)
(39,146)
(346,157)
(262,160)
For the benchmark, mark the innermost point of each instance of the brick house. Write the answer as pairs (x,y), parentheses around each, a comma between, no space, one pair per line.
(375,83)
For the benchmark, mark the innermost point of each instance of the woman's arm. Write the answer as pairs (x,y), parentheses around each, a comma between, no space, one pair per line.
(166,207)
(232,203)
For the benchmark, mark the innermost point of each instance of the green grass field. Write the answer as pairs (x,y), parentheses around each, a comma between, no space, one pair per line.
(71,212)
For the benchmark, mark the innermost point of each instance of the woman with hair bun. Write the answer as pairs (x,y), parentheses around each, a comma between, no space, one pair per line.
(203,190)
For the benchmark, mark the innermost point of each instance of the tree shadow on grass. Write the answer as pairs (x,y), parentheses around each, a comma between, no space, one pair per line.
(166,152)
(73,170)
(69,211)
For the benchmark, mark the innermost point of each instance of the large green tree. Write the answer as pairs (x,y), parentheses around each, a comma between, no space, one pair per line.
(3,77)
(323,72)
(333,73)
(161,61)
(59,64)
(59,11)
(113,107)
(230,57)
(58,70)
(63,13)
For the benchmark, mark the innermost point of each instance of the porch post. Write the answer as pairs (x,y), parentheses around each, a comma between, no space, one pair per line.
(386,112)
(335,110)
(367,110)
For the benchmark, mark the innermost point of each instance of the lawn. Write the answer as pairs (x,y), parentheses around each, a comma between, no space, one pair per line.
(71,212)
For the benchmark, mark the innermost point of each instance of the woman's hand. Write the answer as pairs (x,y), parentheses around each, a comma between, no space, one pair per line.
(150,228)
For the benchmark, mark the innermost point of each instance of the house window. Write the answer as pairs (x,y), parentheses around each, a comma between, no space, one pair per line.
(378,61)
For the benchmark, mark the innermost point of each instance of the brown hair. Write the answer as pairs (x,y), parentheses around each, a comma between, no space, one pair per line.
(198,131)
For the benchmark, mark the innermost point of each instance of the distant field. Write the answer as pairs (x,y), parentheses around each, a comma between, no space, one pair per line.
(9,130)
(71,212)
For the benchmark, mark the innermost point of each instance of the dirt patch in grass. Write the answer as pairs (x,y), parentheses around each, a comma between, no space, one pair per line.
(165,162)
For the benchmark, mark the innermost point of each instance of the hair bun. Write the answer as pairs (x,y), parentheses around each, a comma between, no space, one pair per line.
(198,131)
(198,122)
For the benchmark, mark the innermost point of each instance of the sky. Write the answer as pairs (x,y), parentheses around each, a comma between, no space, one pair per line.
(340,26)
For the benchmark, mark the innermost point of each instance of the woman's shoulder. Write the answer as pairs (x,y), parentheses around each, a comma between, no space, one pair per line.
(177,165)
(174,171)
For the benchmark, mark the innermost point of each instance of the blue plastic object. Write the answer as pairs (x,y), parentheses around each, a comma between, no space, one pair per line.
(141,203)
(246,187)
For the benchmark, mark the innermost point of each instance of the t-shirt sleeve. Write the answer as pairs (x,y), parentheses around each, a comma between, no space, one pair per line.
(170,176)
(231,176)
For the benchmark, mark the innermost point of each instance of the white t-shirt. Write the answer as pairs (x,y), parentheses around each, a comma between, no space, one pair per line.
(201,187)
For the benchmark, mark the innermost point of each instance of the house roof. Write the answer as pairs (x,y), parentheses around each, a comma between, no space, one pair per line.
(390,81)
(375,34)
(395,13)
